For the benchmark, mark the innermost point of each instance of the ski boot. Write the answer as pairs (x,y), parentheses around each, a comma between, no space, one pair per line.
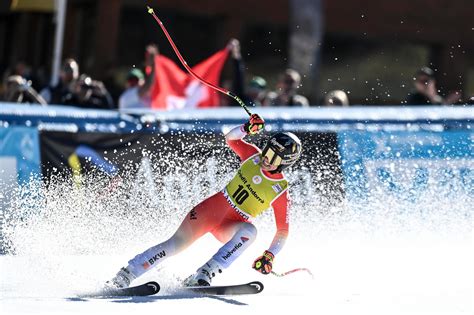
(204,275)
(121,280)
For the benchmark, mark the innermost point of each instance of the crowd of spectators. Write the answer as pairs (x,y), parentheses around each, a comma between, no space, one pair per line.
(73,89)
(80,90)
(77,89)
(256,92)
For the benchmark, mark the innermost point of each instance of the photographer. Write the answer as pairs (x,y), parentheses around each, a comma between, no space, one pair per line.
(92,94)
(19,90)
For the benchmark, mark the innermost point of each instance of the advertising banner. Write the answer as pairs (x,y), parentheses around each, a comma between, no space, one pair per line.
(75,154)
(407,165)
(19,164)
(20,146)
(19,159)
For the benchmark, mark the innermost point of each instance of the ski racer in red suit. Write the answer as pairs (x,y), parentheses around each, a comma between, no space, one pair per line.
(258,185)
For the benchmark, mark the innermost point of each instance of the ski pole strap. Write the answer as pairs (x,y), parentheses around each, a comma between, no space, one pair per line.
(292,271)
(185,64)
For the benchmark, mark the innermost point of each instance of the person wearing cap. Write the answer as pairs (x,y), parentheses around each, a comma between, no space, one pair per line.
(257,90)
(138,87)
(425,92)
(135,77)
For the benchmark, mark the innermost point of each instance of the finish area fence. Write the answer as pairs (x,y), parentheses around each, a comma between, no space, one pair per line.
(348,153)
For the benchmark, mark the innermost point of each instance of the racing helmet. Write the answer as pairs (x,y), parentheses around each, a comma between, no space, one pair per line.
(282,150)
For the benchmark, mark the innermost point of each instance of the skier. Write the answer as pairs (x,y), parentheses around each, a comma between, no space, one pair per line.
(258,185)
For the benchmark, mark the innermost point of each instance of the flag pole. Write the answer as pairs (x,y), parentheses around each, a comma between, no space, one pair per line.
(60,17)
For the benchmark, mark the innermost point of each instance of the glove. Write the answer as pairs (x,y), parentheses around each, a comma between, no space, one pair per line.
(263,263)
(254,125)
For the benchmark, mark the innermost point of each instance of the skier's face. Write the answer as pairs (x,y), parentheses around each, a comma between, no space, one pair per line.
(267,166)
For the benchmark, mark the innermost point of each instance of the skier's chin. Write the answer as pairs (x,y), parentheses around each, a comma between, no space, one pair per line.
(268,167)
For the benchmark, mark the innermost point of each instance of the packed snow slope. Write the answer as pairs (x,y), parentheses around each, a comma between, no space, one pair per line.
(383,255)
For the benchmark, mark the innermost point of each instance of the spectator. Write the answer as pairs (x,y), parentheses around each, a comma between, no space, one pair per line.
(426,92)
(90,93)
(255,93)
(138,88)
(336,98)
(19,90)
(286,94)
(257,90)
(63,92)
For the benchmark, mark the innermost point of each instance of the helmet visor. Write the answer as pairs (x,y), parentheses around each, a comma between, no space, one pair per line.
(272,158)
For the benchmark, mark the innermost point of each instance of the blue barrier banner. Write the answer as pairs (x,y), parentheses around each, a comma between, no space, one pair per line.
(20,146)
(407,164)
(406,151)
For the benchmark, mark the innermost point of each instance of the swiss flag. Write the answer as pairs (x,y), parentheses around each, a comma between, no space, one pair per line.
(176,89)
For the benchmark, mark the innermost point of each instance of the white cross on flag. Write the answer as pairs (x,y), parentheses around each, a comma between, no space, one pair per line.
(176,89)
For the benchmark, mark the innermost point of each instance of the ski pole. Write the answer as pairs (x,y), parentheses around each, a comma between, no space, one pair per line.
(185,64)
(292,271)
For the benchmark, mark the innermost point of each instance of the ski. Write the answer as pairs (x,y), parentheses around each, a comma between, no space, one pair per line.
(151,288)
(145,289)
(237,289)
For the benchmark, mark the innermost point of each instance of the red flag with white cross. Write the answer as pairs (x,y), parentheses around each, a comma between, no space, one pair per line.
(176,89)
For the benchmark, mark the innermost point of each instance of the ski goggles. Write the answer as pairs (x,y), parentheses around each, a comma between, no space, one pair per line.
(272,157)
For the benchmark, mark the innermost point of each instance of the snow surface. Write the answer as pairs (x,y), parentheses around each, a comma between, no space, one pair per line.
(353,274)
(375,258)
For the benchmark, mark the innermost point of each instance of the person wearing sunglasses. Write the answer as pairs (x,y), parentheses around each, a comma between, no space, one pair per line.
(257,186)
